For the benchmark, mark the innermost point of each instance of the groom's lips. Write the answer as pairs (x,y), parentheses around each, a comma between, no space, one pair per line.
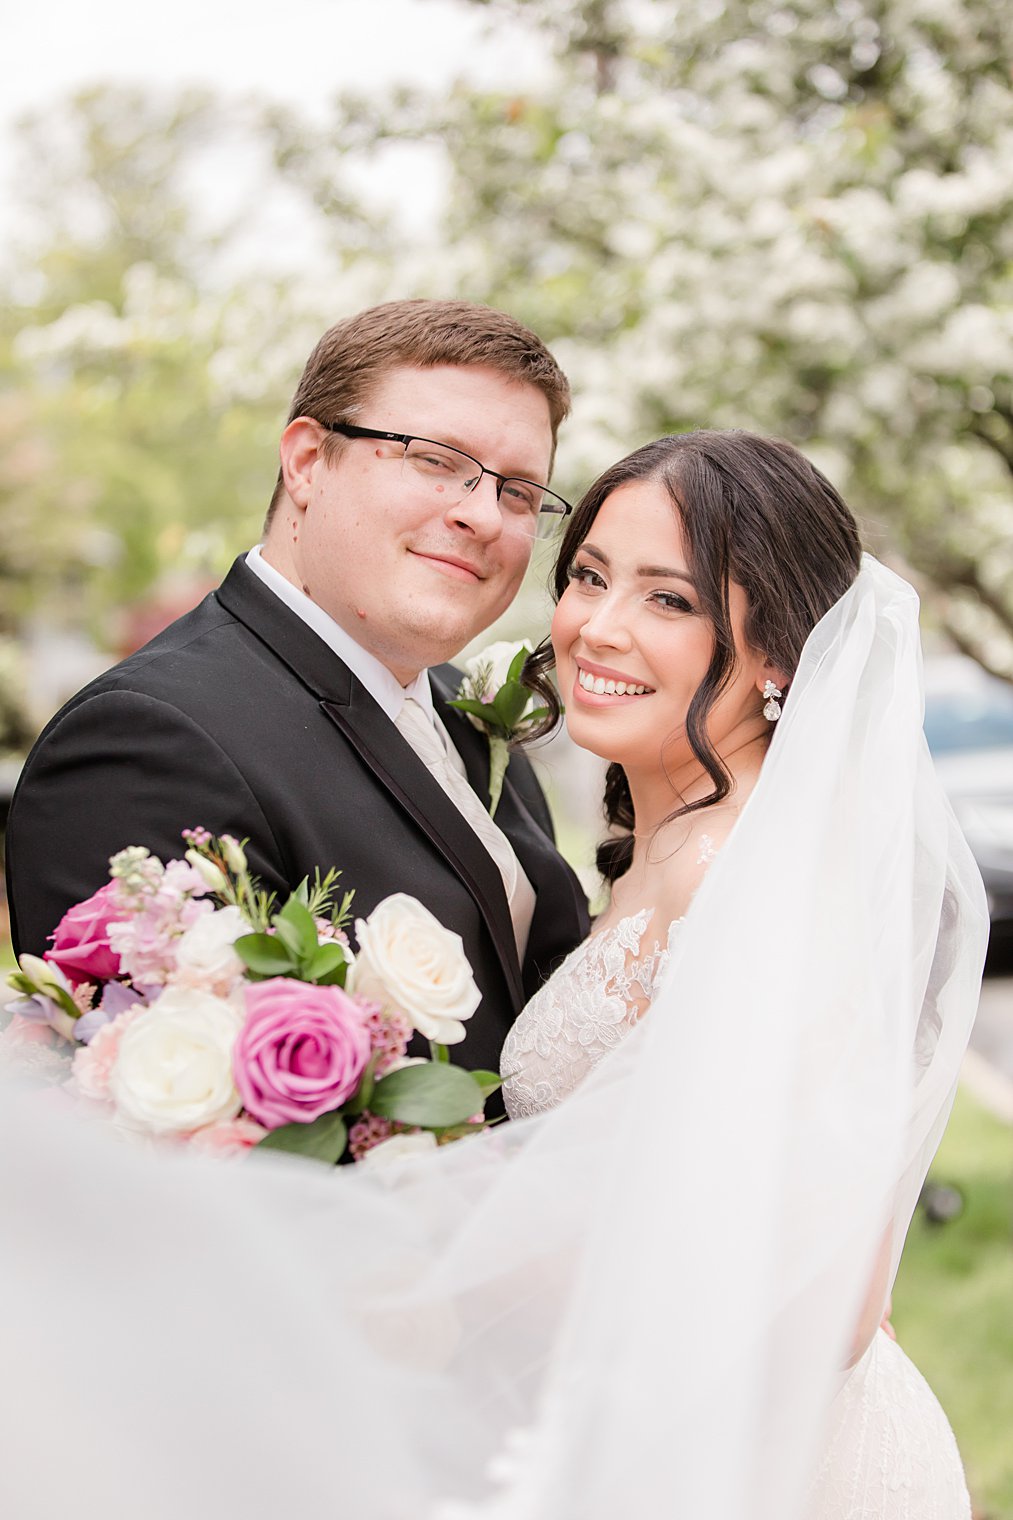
(450,565)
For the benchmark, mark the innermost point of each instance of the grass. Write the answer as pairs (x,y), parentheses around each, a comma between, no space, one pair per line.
(953,1302)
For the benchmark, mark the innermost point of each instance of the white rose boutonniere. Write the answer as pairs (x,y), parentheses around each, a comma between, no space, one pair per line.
(496,702)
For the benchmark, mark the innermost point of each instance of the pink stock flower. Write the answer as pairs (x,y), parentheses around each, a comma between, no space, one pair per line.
(300,1053)
(81,946)
(229,1137)
(147,938)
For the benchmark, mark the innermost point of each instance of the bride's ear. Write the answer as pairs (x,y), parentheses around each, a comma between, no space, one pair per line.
(768,671)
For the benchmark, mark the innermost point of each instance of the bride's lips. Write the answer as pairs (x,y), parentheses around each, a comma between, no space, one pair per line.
(604,676)
(449,564)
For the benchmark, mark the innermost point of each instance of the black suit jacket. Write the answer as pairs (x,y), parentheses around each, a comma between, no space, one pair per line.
(240,718)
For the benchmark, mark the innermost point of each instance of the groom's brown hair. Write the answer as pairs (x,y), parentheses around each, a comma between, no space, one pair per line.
(353,356)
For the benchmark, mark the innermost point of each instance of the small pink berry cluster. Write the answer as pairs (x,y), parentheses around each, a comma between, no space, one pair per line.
(389,1034)
(369,1130)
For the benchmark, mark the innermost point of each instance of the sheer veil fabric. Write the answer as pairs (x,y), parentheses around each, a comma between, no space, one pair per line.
(640,1302)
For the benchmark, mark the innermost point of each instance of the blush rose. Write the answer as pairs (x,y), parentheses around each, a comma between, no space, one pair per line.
(300,1053)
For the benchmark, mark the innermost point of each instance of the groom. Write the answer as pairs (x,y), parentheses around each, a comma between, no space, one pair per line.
(303,704)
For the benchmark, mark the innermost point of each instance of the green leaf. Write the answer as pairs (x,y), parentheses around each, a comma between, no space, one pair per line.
(327,966)
(517,664)
(510,702)
(296,920)
(485,712)
(434,1095)
(288,935)
(264,955)
(360,1102)
(325,1139)
(488,1081)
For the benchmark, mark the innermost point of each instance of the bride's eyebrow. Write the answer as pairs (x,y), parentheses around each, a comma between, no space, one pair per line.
(648,572)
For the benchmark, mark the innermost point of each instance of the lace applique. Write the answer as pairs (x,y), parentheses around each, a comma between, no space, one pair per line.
(707,850)
(583,1011)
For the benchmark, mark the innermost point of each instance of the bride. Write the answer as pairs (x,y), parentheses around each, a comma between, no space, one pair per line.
(659,1296)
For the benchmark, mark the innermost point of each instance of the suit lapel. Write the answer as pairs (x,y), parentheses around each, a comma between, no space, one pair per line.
(560,920)
(395,764)
(380,745)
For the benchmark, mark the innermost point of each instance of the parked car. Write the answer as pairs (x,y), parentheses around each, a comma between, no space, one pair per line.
(969,727)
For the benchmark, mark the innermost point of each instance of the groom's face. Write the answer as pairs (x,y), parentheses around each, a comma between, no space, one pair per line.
(409,573)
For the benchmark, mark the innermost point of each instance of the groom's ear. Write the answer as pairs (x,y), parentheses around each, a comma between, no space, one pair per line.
(299,450)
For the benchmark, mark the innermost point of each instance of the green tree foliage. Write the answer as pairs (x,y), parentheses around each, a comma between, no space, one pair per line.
(141,400)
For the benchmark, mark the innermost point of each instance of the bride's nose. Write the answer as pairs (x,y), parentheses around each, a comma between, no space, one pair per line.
(606,628)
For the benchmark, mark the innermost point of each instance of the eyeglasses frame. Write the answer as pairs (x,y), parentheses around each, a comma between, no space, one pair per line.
(352,430)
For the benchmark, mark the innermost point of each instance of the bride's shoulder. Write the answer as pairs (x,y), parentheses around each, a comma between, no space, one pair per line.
(685,850)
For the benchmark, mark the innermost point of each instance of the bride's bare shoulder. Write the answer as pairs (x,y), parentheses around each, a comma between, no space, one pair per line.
(684,851)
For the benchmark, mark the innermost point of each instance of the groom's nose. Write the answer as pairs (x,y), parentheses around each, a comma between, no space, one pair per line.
(478,512)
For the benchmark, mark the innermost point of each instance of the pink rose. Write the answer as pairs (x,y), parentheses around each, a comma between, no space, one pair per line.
(229,1137)
(81,945)
(300,1053)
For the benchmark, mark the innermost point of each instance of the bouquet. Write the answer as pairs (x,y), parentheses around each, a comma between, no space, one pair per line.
(196,1010)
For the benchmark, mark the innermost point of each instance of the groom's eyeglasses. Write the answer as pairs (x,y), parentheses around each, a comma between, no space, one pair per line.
(450,475)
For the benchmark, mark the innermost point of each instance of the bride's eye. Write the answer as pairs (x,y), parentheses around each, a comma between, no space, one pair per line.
(671,601)
(584,575)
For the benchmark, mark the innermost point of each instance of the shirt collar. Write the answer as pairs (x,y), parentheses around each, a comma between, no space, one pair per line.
(384,687)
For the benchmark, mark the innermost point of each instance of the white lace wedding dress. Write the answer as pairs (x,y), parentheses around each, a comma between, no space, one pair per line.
(890,1454)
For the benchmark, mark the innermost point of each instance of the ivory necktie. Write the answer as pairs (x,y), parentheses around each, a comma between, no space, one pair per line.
(428,739)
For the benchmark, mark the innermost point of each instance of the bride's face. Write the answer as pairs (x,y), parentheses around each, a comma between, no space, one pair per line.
(632,645)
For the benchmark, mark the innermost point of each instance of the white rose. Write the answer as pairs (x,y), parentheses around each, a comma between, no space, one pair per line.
(204,954)
(408,962)
(173,1071)
(486,671)
(393,1150)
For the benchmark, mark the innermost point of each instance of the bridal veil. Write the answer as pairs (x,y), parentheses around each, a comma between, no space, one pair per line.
(639,1303)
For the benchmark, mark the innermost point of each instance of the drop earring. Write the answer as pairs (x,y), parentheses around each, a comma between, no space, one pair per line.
(771,706)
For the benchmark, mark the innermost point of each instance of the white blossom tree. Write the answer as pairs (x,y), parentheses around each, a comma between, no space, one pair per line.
(780,214)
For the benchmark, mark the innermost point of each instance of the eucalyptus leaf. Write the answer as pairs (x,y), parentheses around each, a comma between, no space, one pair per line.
(264,955)
(488,1081)
(324,1140)
(327,966)
(290,937)
(367,1082)
(434,1095)
(296,917)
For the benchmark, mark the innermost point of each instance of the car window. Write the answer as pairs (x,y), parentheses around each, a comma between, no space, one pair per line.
(979,719)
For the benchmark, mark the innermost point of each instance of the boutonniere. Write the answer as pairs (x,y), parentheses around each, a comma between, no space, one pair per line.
(495,701)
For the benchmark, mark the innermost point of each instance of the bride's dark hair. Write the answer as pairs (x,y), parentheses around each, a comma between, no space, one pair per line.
(755,511)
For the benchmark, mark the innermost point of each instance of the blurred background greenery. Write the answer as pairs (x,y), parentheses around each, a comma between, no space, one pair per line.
(788,215)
